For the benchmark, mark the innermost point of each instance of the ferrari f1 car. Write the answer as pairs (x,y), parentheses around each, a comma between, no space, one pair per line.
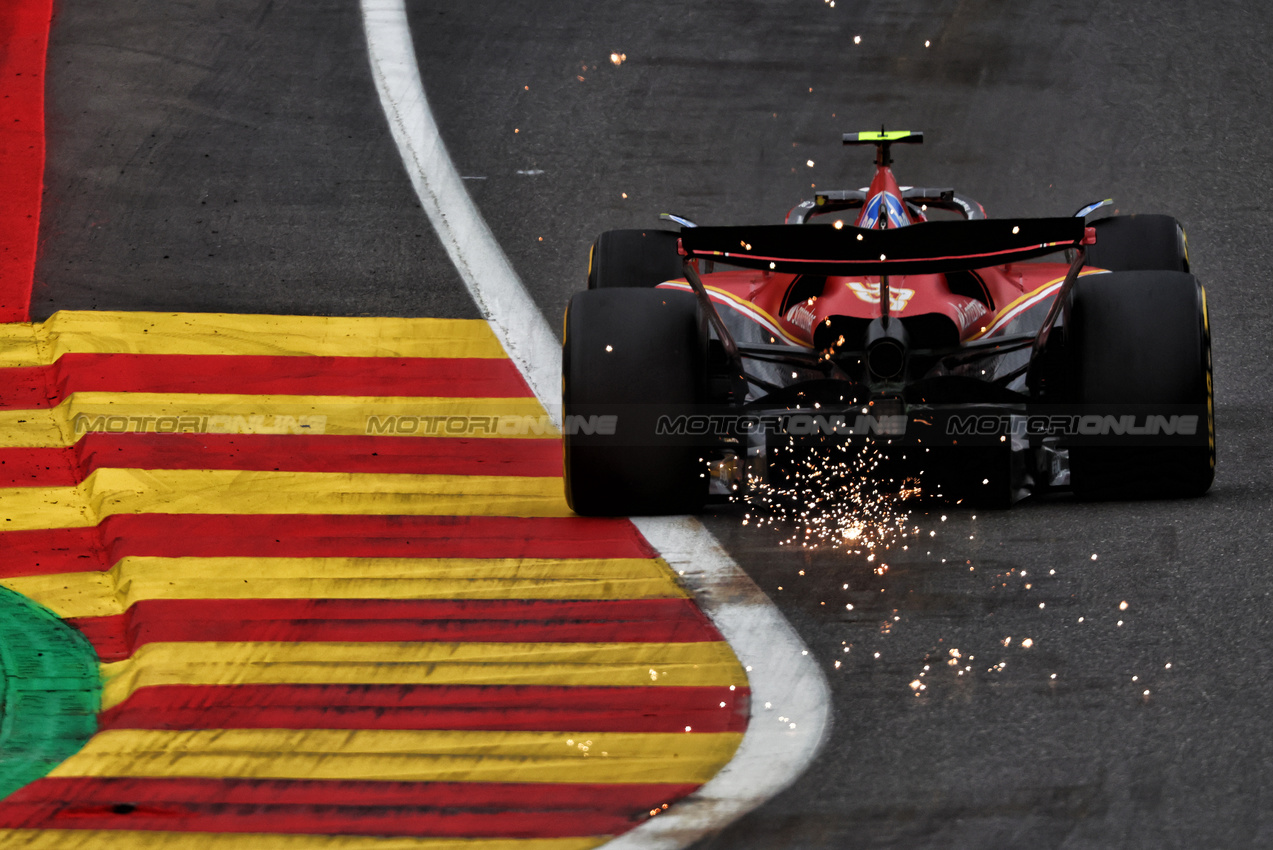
(989,358)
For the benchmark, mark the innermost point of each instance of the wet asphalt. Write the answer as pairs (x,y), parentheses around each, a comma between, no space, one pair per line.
(232,156)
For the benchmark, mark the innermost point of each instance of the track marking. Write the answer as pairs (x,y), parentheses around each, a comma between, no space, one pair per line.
(468,240)
(772,755)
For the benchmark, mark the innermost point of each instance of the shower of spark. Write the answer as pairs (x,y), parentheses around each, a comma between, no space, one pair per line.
(833,497)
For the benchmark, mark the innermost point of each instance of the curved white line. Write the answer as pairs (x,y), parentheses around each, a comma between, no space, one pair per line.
(782,672)
(780,669)
(468,240)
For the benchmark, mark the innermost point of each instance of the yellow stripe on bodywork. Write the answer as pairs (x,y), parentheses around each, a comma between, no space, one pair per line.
(227,491)
(134,579)
(405,755)
(224,333)
(271,414)
(699,664)
(1002,312)
(122,839)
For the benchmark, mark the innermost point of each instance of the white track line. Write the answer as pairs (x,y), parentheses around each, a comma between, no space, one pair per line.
(781,671)
(479,259)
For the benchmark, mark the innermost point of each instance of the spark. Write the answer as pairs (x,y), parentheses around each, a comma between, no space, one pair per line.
(857,39)
(618,58)
(927,42)
(1122,606)
(828,498)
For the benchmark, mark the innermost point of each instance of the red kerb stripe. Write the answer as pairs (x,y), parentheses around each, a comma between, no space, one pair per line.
(318,792)
(476,809)
(62,467)
(446,377)
(506,707)
(620,621)
(44,551)
(25,27)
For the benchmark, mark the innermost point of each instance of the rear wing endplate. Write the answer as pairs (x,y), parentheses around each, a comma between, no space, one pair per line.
(926,248)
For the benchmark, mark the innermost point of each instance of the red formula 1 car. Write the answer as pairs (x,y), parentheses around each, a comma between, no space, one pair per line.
(987,358)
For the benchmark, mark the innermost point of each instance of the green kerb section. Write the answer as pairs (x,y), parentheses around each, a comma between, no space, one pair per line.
(50,691)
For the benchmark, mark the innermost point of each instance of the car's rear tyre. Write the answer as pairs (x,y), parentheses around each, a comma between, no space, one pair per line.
(637,355)
(634,258)
(1127,243)
(1138,344)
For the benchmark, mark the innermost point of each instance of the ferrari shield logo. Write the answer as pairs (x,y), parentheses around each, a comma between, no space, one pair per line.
(898,298)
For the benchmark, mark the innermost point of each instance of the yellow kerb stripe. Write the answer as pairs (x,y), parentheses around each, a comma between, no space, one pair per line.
(112,839)
(223,333)
(133,579)
(700,664)
(273,414)
(405,755)
(226,491)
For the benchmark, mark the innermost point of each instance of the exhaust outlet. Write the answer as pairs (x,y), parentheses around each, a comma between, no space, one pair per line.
(887,348)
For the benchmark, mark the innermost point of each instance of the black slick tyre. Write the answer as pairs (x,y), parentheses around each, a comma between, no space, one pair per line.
(630,358)
(1139,243)
(634,258)
(1138,353)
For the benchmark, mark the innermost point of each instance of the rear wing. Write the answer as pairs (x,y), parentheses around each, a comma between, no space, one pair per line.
(925,248)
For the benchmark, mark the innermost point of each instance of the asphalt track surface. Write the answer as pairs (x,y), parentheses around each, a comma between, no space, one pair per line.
(232,156)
